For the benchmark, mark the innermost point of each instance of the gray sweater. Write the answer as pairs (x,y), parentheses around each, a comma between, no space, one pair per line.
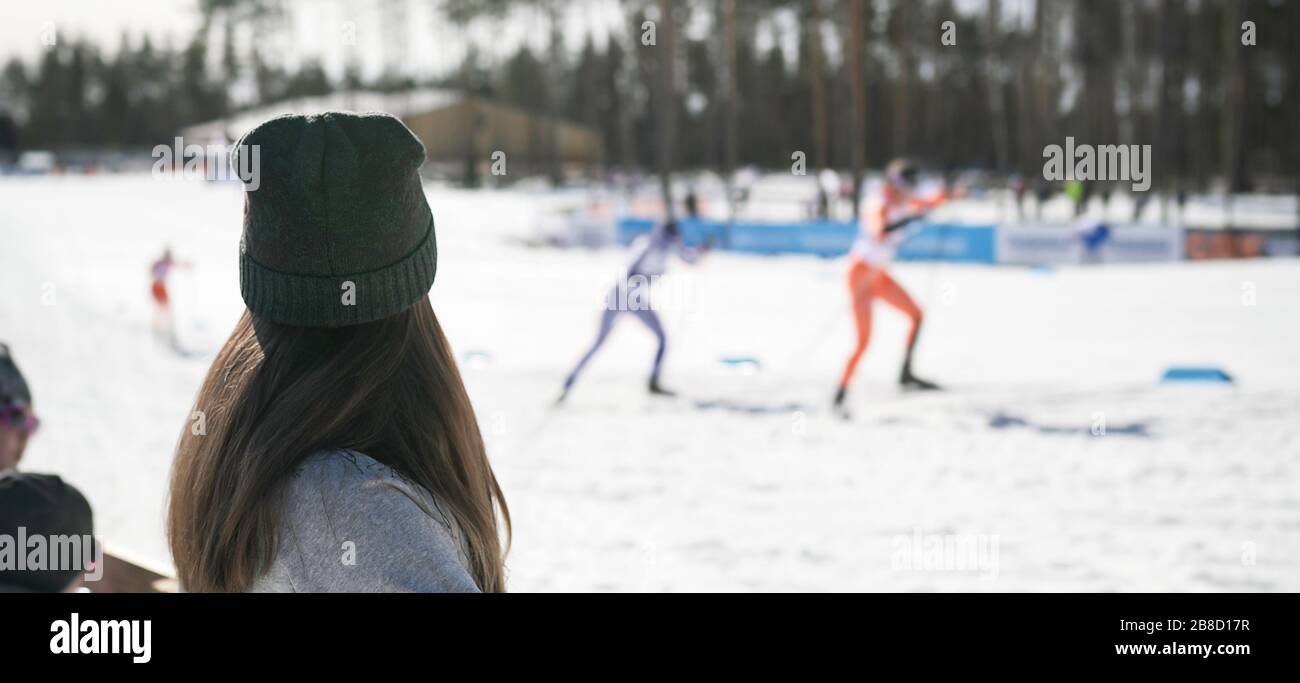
(352,524)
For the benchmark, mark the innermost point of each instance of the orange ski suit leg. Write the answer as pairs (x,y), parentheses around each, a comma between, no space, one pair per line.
(866,284)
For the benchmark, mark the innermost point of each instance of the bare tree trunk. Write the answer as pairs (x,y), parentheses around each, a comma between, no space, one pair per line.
(818,76)
(993,79)
(1048,70)
(1044,74)
(666,104)
(555,48)
(1171,110)
(596,168)
(857,99)
(1232,133)
(1132,85)
(626,134)
(731,145)
(903,93)
(1025,123)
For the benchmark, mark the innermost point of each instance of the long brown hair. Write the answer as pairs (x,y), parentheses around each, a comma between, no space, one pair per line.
(277,394)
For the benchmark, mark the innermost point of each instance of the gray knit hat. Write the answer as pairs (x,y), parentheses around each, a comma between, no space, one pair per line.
(336,227)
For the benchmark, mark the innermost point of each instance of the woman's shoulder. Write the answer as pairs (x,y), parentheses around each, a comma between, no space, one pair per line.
(342,465)
(352,523)
(347,477)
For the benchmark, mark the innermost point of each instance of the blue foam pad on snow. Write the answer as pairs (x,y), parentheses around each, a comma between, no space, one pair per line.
(745,362)
(477,359)
(1196,374)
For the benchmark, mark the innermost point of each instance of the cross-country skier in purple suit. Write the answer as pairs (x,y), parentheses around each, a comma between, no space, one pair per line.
(631,295)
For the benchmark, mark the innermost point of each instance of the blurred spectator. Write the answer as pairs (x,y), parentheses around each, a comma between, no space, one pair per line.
(1018,188)
(1042,194)
(43,505)
(1077,191)
(17,421)
(1140,201)
(1093,234)
(692,204)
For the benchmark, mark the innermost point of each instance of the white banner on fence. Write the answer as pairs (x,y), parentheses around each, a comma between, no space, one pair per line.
(1063,243)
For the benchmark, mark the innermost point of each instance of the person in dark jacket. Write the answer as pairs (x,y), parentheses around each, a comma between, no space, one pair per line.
(45,520)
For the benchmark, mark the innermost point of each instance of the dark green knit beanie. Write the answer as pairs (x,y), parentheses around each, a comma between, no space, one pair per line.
(336,228)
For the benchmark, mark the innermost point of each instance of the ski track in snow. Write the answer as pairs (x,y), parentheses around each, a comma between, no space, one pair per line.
(745,481)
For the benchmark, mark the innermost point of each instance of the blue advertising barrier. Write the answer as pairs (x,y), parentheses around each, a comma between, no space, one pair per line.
(950,242)
(929,242)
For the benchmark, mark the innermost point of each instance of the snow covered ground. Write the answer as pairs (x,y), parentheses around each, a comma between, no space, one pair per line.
(744,482)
